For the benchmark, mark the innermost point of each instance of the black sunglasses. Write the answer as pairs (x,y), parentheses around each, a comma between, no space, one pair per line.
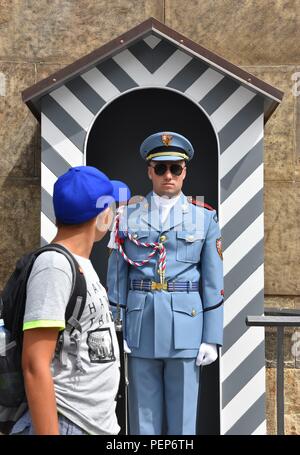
(161,168)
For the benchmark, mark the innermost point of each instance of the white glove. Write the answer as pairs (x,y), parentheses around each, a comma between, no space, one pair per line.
(207,354)
(126,348)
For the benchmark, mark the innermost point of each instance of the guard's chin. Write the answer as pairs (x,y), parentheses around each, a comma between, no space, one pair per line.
(169,192)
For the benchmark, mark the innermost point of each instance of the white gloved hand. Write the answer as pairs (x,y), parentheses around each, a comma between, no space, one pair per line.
(127,350)
(207,354)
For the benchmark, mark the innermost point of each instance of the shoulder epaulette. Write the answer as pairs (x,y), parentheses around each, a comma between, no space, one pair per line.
(135,200)
(200,203)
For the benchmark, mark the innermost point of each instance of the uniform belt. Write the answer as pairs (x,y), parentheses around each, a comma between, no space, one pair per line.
(171,286)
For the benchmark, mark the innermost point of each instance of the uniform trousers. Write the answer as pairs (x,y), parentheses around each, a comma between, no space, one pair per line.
(162,396)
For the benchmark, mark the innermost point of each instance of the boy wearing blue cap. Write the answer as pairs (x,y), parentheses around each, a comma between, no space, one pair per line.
(167,258)
(73,392)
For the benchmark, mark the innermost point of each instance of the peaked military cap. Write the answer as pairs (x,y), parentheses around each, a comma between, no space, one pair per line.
(166,146)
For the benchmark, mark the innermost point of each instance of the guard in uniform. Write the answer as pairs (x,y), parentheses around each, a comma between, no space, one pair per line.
(165,270)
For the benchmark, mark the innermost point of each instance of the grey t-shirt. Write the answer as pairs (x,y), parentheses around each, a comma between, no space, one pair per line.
(86,398)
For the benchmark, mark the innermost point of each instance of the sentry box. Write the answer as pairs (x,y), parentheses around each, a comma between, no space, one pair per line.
(99,109)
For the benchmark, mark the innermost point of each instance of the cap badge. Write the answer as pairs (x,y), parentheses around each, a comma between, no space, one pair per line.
(166,139)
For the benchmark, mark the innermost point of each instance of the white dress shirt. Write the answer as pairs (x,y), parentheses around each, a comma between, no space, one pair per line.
(165,204)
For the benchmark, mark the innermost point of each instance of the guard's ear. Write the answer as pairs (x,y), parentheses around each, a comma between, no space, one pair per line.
(149,172)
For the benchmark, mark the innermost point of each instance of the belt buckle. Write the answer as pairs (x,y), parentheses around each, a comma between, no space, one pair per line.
(155,286)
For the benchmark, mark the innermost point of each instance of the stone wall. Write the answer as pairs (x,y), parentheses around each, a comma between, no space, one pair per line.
(38,37)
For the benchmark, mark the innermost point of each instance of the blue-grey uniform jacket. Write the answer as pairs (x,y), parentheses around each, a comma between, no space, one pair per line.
(159,323)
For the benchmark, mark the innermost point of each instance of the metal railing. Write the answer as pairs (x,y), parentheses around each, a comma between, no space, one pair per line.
(280,318)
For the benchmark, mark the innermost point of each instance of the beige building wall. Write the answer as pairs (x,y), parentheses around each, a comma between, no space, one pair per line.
(38,37)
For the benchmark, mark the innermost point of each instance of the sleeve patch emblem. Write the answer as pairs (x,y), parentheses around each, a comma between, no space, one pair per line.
(219,247)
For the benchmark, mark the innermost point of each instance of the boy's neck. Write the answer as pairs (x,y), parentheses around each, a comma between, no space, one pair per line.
(80,243)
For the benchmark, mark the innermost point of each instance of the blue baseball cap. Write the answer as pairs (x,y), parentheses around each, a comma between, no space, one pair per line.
(83,192)
(166,146)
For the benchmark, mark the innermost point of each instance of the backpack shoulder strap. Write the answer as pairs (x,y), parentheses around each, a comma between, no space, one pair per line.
(74,308)
(77,299)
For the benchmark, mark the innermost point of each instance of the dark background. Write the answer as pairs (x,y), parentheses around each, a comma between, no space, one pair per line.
(113,147)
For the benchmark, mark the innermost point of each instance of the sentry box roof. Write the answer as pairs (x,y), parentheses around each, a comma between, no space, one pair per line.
(151,39)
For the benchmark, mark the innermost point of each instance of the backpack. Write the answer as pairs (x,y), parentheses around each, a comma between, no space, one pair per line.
(12,307)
